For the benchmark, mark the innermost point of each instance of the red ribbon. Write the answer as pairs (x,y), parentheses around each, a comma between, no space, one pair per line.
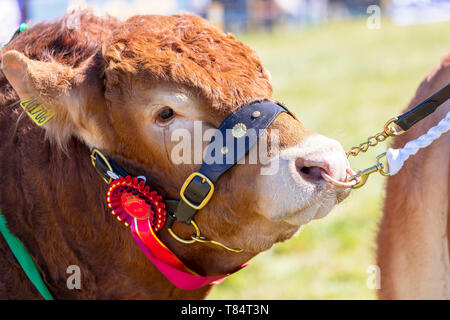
(132,202)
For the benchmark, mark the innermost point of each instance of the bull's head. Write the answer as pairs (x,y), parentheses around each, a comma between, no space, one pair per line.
(157,75)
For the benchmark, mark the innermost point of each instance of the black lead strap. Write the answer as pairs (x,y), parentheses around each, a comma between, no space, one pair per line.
(422,110)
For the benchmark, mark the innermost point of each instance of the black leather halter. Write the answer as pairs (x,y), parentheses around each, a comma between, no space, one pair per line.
(198,188)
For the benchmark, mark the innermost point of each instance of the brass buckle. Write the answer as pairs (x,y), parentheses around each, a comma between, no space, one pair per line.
(93,156)
(208,196)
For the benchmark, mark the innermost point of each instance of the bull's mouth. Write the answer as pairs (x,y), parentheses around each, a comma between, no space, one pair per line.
(319,206)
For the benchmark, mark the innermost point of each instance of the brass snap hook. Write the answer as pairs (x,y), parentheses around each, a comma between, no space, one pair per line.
(363,175)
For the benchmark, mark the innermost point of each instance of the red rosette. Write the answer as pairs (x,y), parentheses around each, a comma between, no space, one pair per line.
(129,198)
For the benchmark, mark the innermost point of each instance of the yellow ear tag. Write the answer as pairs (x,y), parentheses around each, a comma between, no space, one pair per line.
(39,113)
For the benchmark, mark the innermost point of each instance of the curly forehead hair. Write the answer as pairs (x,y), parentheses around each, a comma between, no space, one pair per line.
(186,50)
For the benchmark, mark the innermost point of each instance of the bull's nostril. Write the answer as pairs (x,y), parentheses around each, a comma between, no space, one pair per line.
(305,170)
(308,172)
(312,172)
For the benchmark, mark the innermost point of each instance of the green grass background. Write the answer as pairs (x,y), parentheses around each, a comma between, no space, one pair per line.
(342,80)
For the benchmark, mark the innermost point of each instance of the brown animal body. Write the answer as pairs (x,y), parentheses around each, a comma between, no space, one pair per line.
(414,234)
(108,84)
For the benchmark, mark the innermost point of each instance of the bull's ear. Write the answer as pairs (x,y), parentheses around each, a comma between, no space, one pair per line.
(45,80)
(66,91)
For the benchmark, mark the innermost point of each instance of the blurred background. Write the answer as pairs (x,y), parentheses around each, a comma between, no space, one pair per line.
(344,67)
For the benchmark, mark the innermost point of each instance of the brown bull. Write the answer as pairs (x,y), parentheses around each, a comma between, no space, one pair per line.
(413,241)
(125,88)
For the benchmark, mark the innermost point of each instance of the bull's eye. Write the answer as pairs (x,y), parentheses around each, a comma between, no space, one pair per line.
(166,114)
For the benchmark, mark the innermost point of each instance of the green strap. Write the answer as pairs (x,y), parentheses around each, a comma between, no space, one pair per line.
(21,28)
(25,260)
(17,247)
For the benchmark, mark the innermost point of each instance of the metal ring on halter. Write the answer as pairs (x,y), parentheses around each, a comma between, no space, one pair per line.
(186,241)
(199,238)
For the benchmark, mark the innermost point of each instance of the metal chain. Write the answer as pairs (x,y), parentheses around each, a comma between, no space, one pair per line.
(388,131)
(360,177)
